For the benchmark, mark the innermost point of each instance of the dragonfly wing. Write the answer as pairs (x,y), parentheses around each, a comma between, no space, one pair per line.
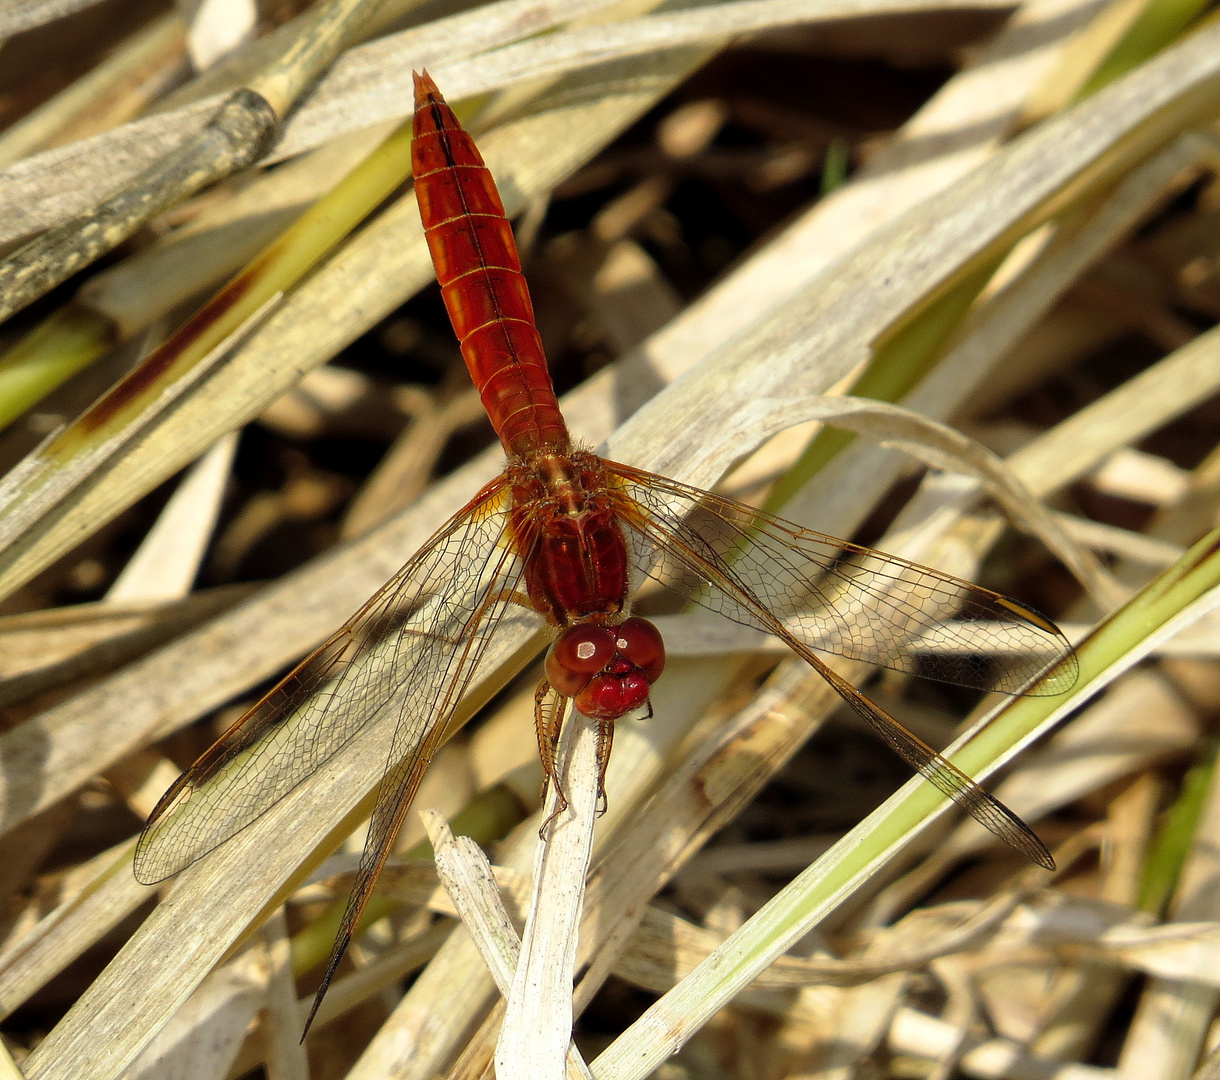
(414,744)
(394,658)
(697,540)
(985,808)
(838,597)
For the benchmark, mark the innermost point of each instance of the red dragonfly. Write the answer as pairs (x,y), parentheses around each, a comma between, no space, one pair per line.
(562,532)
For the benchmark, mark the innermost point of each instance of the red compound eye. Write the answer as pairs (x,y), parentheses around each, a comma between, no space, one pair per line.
(607,669)
(640,642)
(578,654)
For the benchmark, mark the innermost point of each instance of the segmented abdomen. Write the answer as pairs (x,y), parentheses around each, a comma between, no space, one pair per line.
(481,281)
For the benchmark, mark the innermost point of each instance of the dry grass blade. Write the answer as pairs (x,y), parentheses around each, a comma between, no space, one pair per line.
(372,84)
(234,137)
(538,1015)
(48,648)
(924,1036)
(286,1058)
(665,948)
(167,562)
(1144,403)
(206,1035)
(468,878)
(108,894)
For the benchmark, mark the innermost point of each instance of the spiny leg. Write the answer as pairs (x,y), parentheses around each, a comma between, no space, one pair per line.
(605,740)
(548,728)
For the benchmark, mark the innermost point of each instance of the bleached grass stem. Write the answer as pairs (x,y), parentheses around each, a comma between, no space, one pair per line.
(538,1018)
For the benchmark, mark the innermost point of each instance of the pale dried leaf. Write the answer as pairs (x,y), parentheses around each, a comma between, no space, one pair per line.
(203,1039)
(167,562)
(108,894)
(286,1059)
(537,1026)
(468,878)
(920,1035)
(217,27)
(47,648)
(1166,390)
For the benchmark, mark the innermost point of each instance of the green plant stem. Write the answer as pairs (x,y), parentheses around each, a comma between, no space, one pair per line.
(1161,24)
(68,340)
(1168,852)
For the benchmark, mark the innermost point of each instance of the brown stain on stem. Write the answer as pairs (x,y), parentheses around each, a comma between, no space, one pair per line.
(201,333)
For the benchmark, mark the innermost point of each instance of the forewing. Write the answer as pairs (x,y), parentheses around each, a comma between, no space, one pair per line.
(985,808)
(700,544)
(413,745)
(838,597)
(393,662)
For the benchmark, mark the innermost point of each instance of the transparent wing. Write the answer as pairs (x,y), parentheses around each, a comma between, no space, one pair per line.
(838,597)
(413,747)
(817,592)
(400,659)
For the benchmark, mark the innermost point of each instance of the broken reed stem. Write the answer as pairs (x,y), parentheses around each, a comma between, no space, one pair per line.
(537,1025)
(237,136)
(468,878)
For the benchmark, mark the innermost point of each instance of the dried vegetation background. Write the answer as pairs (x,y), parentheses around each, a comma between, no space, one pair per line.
(1005,218)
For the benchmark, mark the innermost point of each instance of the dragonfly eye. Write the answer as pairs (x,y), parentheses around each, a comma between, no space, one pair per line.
(640,642)
(578,654)
(607,670)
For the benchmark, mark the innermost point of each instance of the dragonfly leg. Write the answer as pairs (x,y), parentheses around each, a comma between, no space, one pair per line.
(513,597)
(548,725)
(605,740)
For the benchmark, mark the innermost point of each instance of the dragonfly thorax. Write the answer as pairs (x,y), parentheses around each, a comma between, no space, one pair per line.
(565,520)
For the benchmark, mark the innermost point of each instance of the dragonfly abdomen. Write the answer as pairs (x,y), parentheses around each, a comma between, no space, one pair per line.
(481,282)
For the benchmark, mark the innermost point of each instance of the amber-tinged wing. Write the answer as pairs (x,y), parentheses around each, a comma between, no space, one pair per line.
(838,597)
(474,621)
(816,592)
(399,662)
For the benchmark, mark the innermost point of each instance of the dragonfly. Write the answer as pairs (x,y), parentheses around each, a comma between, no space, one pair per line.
(570,536)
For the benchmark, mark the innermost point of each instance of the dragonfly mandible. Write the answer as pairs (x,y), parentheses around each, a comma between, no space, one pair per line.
(566,533)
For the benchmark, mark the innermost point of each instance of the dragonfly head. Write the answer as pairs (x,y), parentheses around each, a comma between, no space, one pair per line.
(607,670)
